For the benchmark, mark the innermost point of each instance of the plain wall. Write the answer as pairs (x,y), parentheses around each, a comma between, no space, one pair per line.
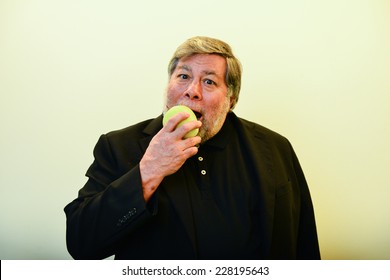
(314,71)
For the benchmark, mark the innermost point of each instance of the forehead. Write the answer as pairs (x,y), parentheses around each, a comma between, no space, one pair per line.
(209,63)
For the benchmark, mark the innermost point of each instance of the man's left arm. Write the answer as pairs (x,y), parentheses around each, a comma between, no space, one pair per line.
(307,243)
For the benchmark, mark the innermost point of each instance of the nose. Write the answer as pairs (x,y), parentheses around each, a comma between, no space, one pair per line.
(194,91)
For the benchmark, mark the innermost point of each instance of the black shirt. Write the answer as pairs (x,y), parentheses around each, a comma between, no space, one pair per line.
(223,198)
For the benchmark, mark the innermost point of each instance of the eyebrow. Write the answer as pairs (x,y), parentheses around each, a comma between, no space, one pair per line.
(188,68)
(185,67)
(210,73)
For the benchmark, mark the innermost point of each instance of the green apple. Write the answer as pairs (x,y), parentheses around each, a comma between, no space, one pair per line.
(177,109)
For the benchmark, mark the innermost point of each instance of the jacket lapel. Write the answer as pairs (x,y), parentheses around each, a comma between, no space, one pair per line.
(261,156)
(150,130)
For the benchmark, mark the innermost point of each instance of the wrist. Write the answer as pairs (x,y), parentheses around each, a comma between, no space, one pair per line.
(150,180)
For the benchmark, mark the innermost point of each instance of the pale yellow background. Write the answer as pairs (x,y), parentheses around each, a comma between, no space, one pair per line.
(315,71)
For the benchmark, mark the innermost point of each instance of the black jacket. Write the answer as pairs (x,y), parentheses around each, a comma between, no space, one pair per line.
(110,216)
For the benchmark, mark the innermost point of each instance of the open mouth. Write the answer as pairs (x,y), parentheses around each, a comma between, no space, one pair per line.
(198,115)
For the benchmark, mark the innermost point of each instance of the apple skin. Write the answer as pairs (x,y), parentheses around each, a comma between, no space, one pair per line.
(177,109)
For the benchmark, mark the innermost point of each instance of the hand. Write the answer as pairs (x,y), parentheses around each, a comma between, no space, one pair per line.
(167,152)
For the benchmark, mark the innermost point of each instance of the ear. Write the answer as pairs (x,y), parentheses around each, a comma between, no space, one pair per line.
(231,99)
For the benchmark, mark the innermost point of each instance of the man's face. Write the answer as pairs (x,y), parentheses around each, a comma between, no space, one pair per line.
(199,83)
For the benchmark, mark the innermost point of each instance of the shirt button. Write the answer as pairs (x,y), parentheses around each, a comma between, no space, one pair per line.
(203,172)
(200,158)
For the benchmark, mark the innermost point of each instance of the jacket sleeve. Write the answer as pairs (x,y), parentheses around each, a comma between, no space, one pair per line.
(109,207)
(307,240)
(294,233)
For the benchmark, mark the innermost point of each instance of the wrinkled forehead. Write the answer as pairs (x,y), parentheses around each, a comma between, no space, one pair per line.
(210,64)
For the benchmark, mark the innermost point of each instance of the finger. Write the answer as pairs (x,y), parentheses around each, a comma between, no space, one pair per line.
(175,120)
(186,128)
(191,151)
(191,142)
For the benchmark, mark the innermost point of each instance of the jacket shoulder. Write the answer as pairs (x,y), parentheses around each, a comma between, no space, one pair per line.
(125,146)
(260,131)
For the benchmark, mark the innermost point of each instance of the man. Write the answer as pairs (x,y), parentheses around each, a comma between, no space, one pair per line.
(234,191)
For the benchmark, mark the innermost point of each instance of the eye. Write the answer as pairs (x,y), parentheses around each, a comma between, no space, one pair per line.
(209,82)
(183,76)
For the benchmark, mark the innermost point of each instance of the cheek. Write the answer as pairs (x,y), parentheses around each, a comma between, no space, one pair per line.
(213,112)
(175,89)
(171,91)
(217,105)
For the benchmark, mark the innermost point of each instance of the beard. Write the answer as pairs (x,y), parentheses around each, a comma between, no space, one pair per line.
(213,122)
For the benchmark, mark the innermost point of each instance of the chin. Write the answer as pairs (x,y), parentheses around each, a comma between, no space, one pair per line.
(206,134)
